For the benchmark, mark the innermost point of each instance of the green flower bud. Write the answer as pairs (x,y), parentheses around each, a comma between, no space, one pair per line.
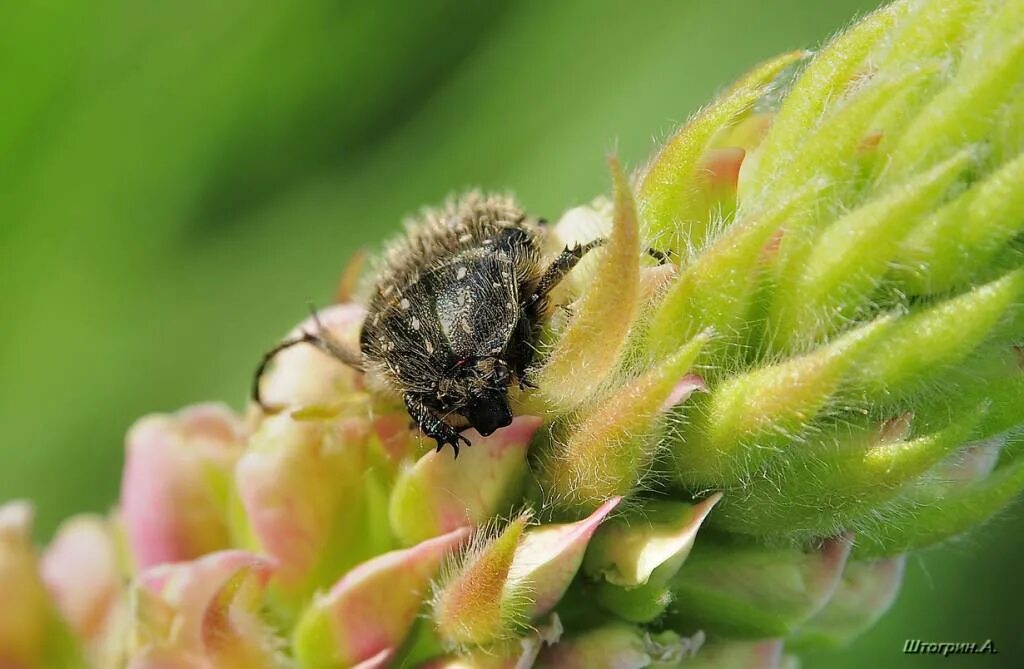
(740,655)
(612,446)
(633,557)
(474,604)
(752,416)
(865,593)
(619,646)
(835,480)
(744,590)
(589,348)
(372,608)
(439,494)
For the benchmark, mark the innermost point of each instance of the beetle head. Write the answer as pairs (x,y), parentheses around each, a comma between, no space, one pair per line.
(477,389)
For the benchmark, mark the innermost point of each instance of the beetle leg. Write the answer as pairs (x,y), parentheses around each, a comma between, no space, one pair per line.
(561,266)
(568,259)
(663,257)
(322,340)
(325,341)
(430,424)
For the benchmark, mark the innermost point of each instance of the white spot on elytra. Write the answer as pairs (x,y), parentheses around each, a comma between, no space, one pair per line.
(460,273)
(415,323)
(465,238)
(430,346)
(405,304)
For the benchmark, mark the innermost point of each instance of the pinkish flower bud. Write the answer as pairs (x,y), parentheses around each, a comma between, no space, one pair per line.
(82,571)
(628,551)
(308,500)
(204,614)
(176,477)
(372,608)
(512,580)
(548,557)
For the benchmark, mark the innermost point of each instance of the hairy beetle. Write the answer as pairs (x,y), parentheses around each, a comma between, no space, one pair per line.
(454,315)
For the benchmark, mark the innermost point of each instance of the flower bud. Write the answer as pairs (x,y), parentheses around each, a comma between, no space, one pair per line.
(439,493)
(589,348)
(474,605)
(25,615)
(513,580)
(174,490)
(866,591)
(960,240)
(991,377)
(835,280)
(310,499)
(751,591)
(960,494)
(857,467)
(671,194)
(925,345)
(372,608)
(612,448)
(548,557)
(82,571)
(633,557)
(204,614)
(621,646)
(756,414)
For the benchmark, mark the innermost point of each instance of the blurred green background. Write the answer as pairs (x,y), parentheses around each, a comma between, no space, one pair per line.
(177,179)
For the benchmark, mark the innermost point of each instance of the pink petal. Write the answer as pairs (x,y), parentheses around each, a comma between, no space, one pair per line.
(80,569)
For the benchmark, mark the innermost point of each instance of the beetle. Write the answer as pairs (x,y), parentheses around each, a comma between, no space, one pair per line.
(454,315)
